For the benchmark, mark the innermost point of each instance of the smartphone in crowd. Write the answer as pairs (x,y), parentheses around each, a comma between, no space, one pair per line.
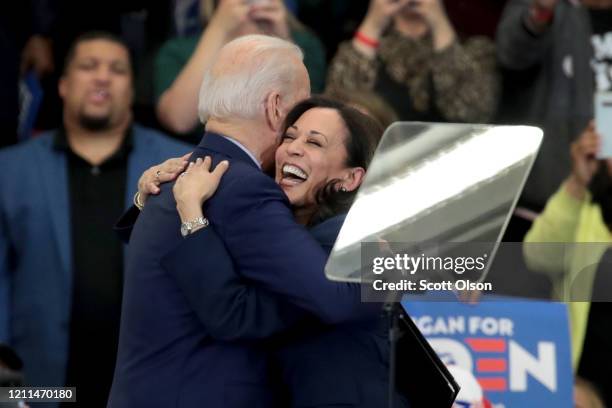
(603,122)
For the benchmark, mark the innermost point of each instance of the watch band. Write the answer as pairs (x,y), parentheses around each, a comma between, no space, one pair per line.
(188,226)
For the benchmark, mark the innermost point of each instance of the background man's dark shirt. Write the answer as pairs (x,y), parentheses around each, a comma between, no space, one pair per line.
(97,197)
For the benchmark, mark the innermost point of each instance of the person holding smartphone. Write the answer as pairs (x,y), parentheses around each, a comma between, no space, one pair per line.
(408,52)
(555,54)
(580,212)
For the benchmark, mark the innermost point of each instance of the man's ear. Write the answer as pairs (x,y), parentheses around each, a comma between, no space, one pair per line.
(273,111)
(352,178)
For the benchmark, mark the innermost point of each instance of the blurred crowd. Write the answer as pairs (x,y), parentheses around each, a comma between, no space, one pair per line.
(90,97)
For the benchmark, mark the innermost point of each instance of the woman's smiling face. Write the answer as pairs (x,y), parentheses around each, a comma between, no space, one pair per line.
(312,153)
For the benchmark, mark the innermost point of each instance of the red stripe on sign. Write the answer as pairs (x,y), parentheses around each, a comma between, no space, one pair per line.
(492,383)
(487,345)
(491,365)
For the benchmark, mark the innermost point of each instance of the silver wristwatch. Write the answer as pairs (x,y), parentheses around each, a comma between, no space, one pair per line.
(188,226)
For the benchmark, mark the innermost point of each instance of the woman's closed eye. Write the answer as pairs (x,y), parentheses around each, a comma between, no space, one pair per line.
(287,137)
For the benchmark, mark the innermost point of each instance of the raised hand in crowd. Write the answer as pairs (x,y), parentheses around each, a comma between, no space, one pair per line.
(37,55)
(379,16)
(584,161)
(177,105)
(229,17)
(271,18)
(408,53)
(433,12)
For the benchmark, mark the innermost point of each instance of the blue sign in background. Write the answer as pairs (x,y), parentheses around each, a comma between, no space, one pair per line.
(495,354)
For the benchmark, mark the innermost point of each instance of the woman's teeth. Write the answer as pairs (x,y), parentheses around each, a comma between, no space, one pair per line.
(294,171)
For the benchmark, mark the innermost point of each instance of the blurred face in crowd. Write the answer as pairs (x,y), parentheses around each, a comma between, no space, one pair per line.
(409,17)
(265,23)
(312,152)
(97,85)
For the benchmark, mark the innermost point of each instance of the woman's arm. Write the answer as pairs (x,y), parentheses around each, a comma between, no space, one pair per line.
(177,107)
(148,184)
(355,64)
(559,222)
(228,307)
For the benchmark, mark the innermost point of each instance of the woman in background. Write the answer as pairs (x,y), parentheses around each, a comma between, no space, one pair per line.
(408,52)
(567,242)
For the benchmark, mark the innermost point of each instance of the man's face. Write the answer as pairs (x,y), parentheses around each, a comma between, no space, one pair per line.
(303,85)
(299,92)
(97,85)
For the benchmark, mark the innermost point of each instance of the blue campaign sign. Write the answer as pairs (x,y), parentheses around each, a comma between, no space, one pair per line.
(518,351)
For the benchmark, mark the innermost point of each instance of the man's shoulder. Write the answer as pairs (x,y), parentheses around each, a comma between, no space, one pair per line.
(13,155)
(242,178)
(149,135)
(20,165)
(240,174)
(147,140)
(243,189)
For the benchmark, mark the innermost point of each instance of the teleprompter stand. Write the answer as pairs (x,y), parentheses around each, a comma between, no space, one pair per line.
(415,370)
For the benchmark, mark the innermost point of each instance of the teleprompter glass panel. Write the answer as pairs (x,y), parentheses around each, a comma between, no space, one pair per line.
(430,185)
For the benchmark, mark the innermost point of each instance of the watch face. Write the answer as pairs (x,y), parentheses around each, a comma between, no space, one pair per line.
(184,230)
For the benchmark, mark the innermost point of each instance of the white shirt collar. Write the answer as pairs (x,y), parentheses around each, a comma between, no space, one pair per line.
(244,149)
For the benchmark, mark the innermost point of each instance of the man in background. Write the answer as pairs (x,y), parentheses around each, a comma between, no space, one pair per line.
(61,265)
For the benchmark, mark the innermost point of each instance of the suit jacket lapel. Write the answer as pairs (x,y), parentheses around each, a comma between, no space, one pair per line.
(53,173)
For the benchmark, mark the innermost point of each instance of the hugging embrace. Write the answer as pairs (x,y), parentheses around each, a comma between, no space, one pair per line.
(225,299)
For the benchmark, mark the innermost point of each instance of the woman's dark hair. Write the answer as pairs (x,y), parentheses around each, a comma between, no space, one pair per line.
(363,135)
(367,102)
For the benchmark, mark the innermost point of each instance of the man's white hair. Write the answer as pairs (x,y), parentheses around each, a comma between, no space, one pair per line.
(248,69)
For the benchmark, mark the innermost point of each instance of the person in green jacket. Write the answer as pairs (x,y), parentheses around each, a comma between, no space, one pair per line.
(181,61)
(579,212)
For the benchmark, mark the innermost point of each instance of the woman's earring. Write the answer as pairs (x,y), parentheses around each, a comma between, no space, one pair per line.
(343,189)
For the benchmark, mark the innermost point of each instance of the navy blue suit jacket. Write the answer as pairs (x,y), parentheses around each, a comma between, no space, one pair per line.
(36,247)
(174,347)
(319,365)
